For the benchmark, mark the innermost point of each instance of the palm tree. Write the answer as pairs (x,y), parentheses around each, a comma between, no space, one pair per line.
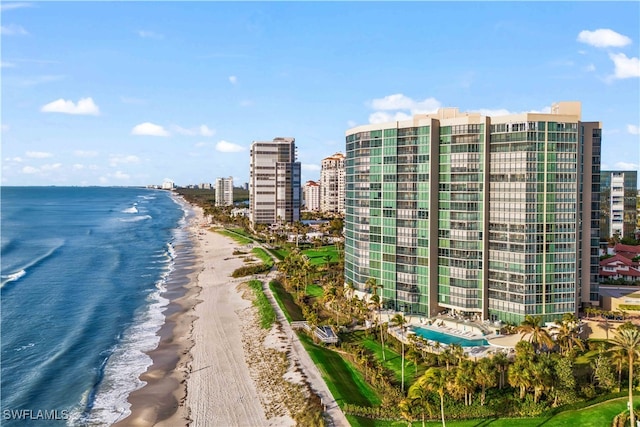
(465,381)
(618,357)
(485,376)
(437,379)
(400,321)
(419,395)
(538,336)
(376,304)
(628,341)
(501,361)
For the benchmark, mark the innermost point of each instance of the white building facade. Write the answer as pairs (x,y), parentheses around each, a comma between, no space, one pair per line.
(274,182)
(224,191)
(311,196)
(332,184)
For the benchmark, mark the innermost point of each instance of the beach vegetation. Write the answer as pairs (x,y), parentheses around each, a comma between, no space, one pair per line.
(265,311)
(249,270)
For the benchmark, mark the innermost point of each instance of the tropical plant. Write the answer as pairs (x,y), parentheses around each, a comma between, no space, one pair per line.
(628,341)
(485,376)
(400,321)
(538,336)
(419,396)
(436,379)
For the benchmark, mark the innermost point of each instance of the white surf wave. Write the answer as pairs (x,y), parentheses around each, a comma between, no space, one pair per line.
(132,209)
(4,279)
(128,361)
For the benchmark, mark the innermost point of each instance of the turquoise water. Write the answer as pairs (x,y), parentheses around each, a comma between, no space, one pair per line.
(447,338)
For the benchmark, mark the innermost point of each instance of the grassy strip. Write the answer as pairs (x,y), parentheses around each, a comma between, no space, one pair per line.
(241,232)
(345,382)
(266,312)
(393,360)
(238,238)
(263,256)
(292,311)
(316,256)
(597,415)
(280,253)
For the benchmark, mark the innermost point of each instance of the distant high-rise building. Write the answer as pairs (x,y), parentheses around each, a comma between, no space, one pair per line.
(311,196)
(332,184)
(274,182)
(495,217)
(618,198)
(224,191)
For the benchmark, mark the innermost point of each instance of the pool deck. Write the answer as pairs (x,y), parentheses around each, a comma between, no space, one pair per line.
(466,330)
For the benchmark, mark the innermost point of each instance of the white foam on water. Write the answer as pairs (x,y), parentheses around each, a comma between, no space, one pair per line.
(132,209)
(127,362)
(11,277)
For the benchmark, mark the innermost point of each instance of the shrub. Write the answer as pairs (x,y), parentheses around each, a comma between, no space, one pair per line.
(250,269)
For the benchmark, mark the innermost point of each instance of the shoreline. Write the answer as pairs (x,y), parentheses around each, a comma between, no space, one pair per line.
(161,399)
(215,365)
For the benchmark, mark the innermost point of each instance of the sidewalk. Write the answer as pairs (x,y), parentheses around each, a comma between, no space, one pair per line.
(335,414)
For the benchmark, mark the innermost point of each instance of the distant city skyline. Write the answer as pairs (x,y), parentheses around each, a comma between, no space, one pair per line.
(133,93)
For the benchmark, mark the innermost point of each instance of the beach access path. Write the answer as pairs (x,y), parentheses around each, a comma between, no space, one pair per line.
(298,352)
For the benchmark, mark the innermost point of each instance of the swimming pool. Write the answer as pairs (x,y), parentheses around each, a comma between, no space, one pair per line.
(444,338)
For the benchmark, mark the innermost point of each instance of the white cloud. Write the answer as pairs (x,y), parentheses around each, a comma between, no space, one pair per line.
(150,129)
(203,144)
(310,167)
(233,79)
(7,64)
(228,147)
(633,129)
(625,67)
(78,167)
(51,167)
(202,130)
(626,166)
(590,68)
(246,103)
(13,5)
(5,128)
(399,101)
(382,117)
(150,35)
(85,153)
(115,160)
(30,170)
(121,175)
(603,37)
(14,159)
(351,123)
(38,154)
(85,106)
(13,30)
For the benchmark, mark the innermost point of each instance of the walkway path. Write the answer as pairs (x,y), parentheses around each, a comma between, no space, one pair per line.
(337,417)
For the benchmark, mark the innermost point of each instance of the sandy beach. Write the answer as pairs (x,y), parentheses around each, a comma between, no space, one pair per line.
(215,366)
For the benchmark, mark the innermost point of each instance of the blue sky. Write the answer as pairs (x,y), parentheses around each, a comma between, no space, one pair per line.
(132,93)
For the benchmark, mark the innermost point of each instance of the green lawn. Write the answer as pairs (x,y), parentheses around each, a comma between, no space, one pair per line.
(292,311)
(263,256)
(241,232)
(345,382)
(237,237)
(315,291)
(316,256)
(393,359)
(280,253)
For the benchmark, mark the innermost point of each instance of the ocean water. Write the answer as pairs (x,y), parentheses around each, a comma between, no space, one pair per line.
(83,272)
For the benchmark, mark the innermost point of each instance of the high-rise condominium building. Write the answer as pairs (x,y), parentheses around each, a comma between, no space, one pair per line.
(332,184)
(311,196)
(494,217)
(274,182)
(224,191)
(618,195)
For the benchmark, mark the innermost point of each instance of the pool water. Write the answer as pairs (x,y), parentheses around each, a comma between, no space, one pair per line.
(444,338)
